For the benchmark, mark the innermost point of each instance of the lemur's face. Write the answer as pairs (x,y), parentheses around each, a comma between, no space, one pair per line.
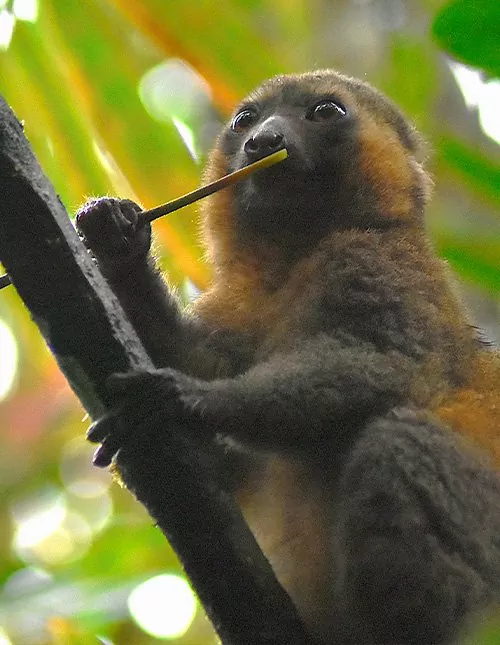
(351,157)
(313,123)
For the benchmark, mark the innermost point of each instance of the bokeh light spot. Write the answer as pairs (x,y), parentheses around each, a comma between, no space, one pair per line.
(175,92)
(7,24)
(9,362)
(38,518)
(47,533)
(4,639)
(163,606)
(25,10)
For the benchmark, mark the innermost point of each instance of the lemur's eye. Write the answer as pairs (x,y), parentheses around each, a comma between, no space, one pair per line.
(325,110)
(244,119)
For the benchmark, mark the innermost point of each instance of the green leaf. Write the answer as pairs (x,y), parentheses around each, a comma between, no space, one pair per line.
(470,31)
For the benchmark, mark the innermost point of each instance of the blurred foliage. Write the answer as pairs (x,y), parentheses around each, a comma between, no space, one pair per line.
(121,97)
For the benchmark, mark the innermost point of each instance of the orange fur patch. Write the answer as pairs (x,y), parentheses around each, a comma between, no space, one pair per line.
(387,167)
(217,213)
(474,411)
(239,298)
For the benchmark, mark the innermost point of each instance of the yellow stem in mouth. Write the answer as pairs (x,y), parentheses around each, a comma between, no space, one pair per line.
(219,184)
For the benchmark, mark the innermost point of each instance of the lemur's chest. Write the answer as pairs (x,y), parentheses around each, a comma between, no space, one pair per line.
(244,303)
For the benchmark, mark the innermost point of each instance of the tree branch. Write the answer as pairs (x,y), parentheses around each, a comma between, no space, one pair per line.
(91,338)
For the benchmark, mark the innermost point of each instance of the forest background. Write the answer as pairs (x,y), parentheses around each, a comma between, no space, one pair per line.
(124,97)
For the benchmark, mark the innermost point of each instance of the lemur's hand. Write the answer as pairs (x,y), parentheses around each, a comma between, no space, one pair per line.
(114,232)
(145,401)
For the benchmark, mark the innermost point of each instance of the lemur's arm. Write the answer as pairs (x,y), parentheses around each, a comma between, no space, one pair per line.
(120,241)
(306,401)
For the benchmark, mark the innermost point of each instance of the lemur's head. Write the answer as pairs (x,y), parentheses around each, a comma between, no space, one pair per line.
(352,161)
